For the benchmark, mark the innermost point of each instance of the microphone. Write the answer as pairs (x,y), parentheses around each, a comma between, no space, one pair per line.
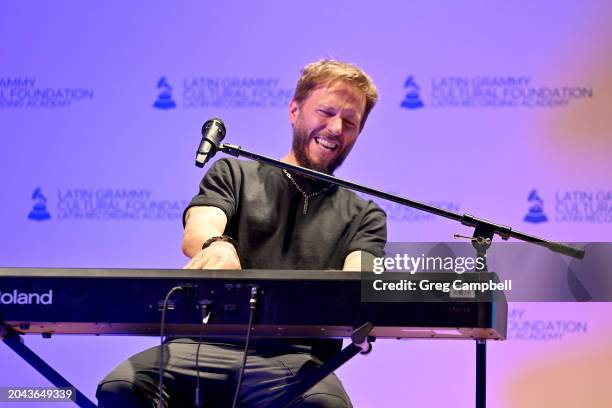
(213,133)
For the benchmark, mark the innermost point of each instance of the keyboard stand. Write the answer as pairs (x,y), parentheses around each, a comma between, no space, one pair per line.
(17,344)
(360,344)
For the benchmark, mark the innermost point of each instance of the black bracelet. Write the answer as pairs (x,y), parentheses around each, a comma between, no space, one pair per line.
(225,238)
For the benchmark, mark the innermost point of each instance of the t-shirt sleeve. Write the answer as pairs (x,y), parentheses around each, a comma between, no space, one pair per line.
(218,188)
(371,235)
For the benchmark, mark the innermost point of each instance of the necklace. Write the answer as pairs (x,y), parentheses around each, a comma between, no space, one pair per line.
(306,196)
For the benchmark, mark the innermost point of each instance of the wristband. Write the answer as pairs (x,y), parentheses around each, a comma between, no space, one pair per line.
(225,238)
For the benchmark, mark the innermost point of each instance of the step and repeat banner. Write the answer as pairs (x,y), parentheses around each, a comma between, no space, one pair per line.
(497,110)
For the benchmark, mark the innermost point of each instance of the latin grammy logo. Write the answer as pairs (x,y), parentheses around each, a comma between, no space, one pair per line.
(164,99)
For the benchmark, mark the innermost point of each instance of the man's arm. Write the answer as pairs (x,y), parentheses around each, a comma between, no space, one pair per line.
(369,240)
(202,223)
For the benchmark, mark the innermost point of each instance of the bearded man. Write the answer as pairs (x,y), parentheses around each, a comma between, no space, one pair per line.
(249,215)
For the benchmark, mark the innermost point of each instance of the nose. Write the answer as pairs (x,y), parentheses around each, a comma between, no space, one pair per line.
(334,125)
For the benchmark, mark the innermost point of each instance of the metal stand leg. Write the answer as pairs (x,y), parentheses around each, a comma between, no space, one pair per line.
(15,342)
(360,344)
(481,373)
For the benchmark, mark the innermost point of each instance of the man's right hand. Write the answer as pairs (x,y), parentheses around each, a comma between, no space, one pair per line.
(218,255)
(202,223)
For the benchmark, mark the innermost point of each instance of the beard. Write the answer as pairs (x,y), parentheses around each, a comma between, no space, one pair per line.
(301,140)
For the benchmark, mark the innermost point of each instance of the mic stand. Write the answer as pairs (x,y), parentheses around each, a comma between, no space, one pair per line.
(481,241)
(483,228)
(484,231)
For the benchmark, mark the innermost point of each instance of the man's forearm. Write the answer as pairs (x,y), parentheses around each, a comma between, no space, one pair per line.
(201,223)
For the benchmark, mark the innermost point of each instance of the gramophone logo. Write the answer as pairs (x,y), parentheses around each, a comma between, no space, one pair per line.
(412,100)
(164,99)
(536,210)
(39,210)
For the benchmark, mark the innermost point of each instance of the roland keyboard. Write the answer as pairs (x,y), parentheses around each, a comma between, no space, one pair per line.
(316,304)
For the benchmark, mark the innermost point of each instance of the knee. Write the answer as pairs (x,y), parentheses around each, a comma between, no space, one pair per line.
(323,400)
(117,394)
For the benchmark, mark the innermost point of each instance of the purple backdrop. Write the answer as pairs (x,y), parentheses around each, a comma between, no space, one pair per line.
(481,105)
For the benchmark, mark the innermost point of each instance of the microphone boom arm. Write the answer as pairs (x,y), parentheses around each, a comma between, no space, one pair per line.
(503,231)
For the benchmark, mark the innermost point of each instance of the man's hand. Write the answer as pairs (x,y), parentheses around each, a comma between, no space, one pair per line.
(202,223)
(219,255)
(359,261)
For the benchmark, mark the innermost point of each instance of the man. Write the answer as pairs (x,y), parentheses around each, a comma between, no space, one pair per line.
(254,216)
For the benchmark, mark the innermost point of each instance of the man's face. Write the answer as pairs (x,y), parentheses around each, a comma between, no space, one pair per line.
(326,125)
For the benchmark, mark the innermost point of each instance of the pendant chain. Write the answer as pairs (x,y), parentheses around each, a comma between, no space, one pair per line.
(306,196)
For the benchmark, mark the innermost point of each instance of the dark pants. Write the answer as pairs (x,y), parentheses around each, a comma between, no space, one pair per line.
(135,382)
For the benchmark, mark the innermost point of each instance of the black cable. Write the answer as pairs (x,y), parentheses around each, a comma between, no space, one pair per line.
(252,306)
(204,309)
(198,400)
(161,348)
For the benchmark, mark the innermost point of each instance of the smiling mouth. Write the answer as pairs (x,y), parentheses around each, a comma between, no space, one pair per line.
(325,143)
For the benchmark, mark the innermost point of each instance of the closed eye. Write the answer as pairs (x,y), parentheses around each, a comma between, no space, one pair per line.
(349,124)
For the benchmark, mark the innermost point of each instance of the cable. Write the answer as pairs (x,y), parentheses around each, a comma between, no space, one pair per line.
(198,400)
(252,306)
(161,348)
(205,317)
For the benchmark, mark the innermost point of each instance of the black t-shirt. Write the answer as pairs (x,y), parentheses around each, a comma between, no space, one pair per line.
(265,217)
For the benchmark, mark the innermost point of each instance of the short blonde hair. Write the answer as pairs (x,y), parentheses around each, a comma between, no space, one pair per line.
(326,72)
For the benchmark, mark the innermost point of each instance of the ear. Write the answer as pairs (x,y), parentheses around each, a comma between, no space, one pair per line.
(294,110)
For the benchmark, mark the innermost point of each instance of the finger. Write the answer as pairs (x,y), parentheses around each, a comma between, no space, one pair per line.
(193,262)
